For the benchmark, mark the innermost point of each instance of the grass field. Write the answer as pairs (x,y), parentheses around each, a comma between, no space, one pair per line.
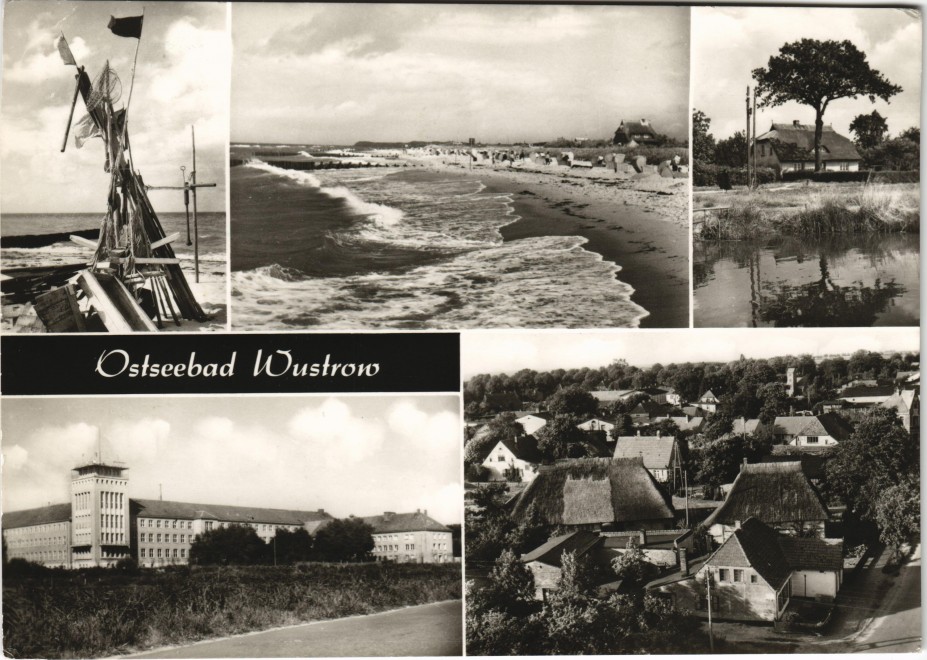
(810,209)
(96,612)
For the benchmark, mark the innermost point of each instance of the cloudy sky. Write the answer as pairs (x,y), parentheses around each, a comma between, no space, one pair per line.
(729,42)
(506,352)
(338,73)
(181,80)
(348,455)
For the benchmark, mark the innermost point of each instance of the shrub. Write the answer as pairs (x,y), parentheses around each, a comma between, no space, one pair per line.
(476,472)
(706,174)
(895,176)
(827,176)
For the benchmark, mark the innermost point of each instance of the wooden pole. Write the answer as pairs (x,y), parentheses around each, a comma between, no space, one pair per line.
(196,234)
(747,134)
(711,636)
(186,202)
(67,130)
(755,181)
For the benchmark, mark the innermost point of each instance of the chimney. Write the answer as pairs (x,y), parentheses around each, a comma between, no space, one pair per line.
(736,525)
(683,561)
(643,537)
(425,512)
(321,512)
(388,515)
(658,433)
(796,123)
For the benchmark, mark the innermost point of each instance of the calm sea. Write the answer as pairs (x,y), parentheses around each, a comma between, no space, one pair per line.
(403,248)
(212,243)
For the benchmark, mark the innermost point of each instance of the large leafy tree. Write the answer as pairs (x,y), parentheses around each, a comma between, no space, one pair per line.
(236,544)
(572,400)
(703,142)
(869,129)
(816,73)
(732,151)
(348,539)
(876,455)
(898,513)
(561,438)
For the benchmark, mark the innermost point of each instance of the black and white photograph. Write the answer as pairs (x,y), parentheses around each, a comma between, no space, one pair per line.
(245,526)
(399,166)
(102,232)
(665,492)
(806,143)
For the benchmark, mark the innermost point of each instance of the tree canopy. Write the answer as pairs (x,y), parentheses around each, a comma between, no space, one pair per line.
(236,544)
(347,539)
(870,130)
(816,73)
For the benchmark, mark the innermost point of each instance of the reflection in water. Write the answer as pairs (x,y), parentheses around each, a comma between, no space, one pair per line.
(858,280)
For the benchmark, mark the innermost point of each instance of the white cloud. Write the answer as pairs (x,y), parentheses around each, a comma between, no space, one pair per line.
(15,458)
(332,432)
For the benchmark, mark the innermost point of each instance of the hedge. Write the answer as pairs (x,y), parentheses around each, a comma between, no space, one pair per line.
(706,174)
(827,176)
(896,176)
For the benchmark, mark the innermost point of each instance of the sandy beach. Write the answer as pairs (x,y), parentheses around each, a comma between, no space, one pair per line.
(640,223)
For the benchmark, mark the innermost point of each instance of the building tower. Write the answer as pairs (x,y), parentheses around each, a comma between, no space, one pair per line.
(790,381)
(99,514)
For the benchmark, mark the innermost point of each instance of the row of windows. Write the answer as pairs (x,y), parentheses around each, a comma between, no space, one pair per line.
(167,537)
(20,531)
(45,555)
(151,522)
(153,553)
(111,520)
(112,537)
(110,500)
(735,575)
(45,540)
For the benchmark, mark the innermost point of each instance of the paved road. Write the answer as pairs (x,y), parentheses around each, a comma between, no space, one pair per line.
(897,626)
(424,630)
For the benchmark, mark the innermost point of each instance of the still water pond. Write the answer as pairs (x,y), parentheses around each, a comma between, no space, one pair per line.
(860,280)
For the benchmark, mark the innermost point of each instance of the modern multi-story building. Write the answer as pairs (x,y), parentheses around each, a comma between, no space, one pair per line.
(410,538)
(101,525)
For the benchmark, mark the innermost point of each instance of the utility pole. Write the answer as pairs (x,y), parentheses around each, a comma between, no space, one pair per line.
(754,178)
(711,636)
(196,233)
(748,136)
(685,485)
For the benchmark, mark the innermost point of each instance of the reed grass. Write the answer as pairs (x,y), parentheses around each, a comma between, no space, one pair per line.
(818,211)
(67,614)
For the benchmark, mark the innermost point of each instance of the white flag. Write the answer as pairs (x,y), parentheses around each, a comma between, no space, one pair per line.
(64,50)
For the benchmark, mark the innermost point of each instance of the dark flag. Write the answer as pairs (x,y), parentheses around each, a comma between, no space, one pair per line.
(130,26)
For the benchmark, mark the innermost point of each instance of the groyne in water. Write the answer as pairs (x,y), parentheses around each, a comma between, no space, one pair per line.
(314,164)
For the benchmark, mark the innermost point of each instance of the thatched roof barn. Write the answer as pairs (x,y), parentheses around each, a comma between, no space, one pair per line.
(778,494)
(594,492)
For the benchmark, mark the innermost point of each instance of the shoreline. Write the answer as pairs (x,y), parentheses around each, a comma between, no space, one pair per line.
(639,224)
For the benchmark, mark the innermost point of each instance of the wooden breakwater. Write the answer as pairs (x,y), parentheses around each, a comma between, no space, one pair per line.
(315,164)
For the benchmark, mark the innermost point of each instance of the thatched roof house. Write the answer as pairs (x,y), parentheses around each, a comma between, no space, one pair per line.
(592,493)
(791,147)
(640,132)
(778,494)
(660,453)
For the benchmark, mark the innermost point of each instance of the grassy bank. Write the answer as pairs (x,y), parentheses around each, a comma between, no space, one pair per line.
(93,613)
(809,210)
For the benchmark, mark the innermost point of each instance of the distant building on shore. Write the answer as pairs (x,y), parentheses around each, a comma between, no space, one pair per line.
(638,132)
(101,525)
(789,147)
